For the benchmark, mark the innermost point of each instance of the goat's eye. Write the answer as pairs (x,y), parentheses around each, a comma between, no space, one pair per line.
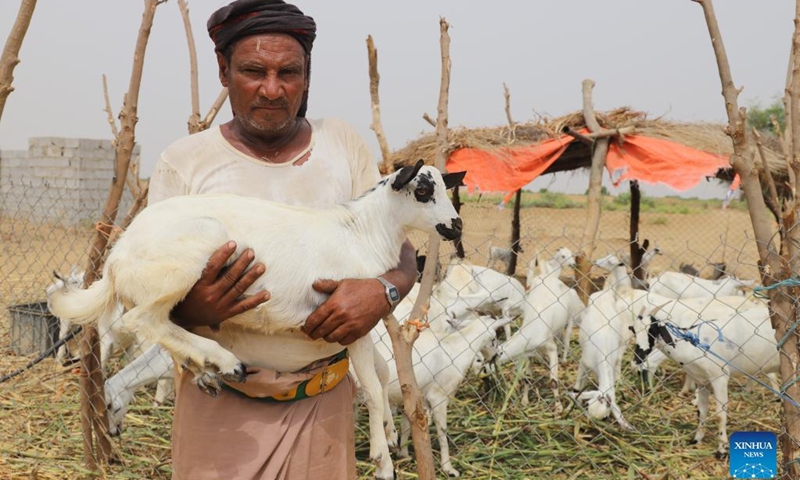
(422,192)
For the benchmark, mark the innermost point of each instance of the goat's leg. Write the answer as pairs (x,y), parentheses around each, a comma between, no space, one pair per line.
(689,386)
(63,329)
(438,405)
(405,432)
(382,369)
(720,386)
(552,360)
(205,358)
(612,397)
(362,356)
(702,412)
(567,339)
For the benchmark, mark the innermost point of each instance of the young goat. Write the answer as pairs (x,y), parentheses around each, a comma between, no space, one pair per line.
(548,308)
(163,252)
(604,334)
(441,361)
(154,364)
(739,344)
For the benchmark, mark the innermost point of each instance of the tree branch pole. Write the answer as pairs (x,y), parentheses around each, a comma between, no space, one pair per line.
(375,100)
(404,336)
(93,405)
(10,58)
(584,263)
(194,117)
(511,268)
(772,266)
(765,176)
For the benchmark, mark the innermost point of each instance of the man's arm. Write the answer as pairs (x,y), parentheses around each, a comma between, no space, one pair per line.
(355,306)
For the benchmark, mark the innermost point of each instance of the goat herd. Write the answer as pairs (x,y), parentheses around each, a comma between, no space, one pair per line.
(708,327)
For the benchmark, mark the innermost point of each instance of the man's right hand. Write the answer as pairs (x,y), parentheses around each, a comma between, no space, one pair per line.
(218,294)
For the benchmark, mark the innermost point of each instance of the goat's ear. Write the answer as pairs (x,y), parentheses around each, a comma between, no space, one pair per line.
(405,175)
(58,277)
(646,243)
(455,179)
(663,332)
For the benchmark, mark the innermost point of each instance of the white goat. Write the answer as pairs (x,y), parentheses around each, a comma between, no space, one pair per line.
(548,308)
(467,288)
(603,336)
(441,361)
(154,364)
(567,296)
(108,327)
(680,285)
(162,254)
(739,344)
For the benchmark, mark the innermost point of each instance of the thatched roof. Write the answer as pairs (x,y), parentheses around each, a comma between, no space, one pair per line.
(708,137)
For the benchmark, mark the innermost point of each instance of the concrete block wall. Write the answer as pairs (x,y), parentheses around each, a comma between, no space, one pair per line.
(59,180)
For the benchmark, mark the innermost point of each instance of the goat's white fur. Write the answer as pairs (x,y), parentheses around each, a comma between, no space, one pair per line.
(680,285)
(163,252)
(499,254)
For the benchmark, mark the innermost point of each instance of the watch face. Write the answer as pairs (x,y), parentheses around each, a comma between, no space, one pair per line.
(394,295)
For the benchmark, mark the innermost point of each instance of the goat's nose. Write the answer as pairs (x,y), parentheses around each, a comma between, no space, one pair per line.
(457,224)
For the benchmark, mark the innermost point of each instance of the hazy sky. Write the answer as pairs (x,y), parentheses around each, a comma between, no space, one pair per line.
(654,56)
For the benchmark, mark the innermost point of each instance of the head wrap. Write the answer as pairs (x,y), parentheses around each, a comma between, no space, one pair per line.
(243,18)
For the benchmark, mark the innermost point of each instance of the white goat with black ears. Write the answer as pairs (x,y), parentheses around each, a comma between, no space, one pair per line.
(162,254)
(739,344)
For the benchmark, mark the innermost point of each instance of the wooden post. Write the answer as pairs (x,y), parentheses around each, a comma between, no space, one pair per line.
(10,57)
(772,266)
(511,268)
(458,243)
(583,259)
(636,250)
(93,405)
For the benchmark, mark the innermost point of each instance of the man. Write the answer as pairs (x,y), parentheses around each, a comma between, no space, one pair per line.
(264,428)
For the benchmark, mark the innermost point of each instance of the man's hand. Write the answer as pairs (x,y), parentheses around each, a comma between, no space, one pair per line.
(353,308)
(217,295)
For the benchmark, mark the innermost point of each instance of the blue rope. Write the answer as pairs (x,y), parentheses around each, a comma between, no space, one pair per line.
(789,282)
(687,335)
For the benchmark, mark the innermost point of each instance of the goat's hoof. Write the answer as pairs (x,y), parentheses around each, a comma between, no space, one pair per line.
(208,383)
(451,472)
(694,441)
(238,375)
(720,455)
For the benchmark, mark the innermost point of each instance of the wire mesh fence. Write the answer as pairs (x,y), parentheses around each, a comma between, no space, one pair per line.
(503,381)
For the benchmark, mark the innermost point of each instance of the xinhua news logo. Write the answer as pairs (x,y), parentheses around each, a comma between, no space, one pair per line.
(754,455)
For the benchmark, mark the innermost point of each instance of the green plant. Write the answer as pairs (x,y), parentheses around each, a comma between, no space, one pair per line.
(659,220)
(760,118)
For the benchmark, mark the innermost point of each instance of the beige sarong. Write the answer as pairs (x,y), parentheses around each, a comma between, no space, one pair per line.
(233,437)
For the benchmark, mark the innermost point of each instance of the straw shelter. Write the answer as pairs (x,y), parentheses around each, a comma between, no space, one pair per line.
(505,159)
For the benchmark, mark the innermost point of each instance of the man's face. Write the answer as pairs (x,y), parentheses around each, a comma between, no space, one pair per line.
(266,79)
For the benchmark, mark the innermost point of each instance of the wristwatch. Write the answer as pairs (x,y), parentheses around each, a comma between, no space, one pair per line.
(392,295)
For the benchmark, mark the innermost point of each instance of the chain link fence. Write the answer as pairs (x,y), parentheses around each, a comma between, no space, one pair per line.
(508,414)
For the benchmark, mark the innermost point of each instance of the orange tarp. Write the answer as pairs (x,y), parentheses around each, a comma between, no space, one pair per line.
(653,160)
(642,158)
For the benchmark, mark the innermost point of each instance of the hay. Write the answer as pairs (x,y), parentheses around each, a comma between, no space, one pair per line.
(40,434)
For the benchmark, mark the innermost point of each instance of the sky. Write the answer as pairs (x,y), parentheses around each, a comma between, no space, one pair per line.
(653,56)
